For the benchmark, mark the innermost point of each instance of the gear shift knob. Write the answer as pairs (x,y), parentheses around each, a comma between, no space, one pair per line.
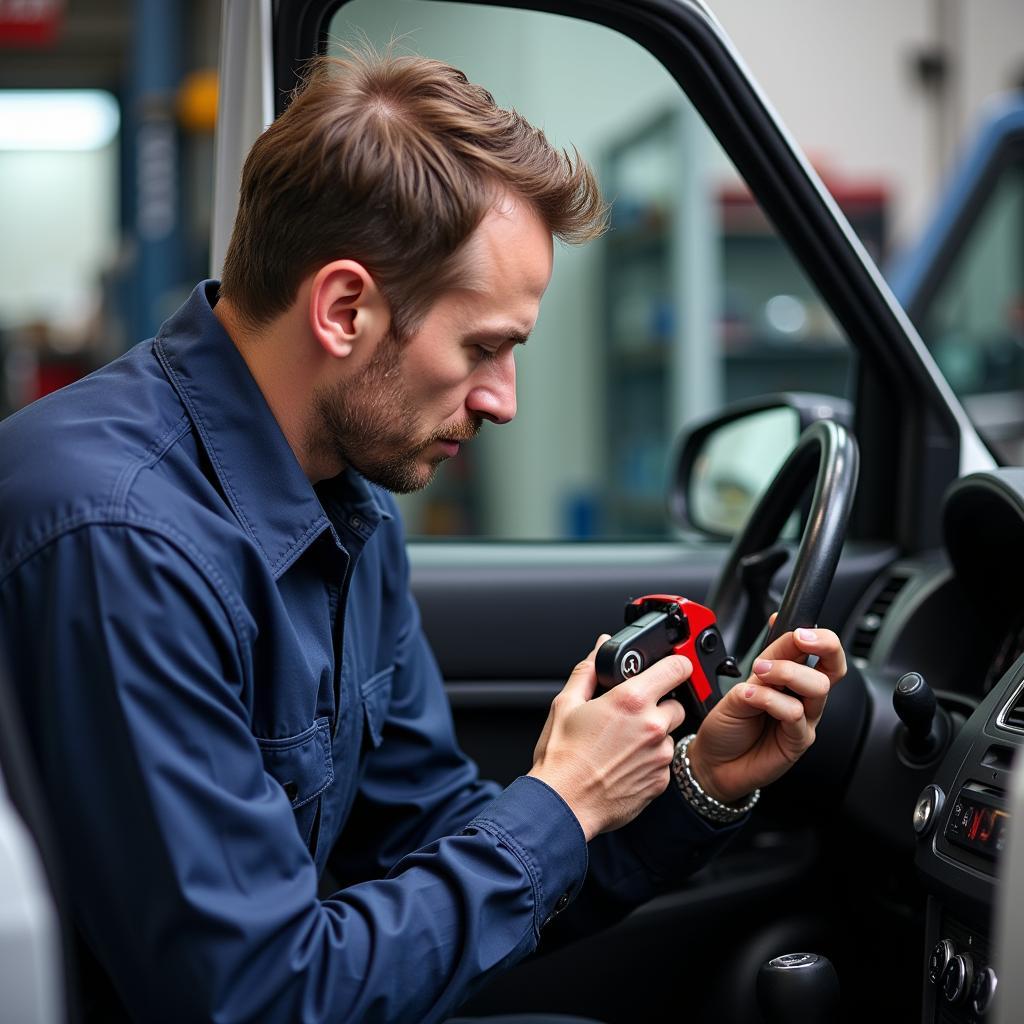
(927,724)
(798,988)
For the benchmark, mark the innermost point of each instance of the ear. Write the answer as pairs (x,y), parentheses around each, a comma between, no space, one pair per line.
(347,311)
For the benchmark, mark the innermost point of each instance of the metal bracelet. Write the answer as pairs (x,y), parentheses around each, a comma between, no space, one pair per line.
(703,803)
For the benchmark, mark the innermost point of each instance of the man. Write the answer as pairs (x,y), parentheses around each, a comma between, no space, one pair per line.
(204,594)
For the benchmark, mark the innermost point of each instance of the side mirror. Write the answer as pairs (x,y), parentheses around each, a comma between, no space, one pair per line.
(723,464)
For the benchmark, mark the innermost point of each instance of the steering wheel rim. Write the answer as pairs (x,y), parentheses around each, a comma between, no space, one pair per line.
(829,450)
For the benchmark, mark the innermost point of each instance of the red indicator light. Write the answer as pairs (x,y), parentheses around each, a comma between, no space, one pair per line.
(987,820)
(975,822)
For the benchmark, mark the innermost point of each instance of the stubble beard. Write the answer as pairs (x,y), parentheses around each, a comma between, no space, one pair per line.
(370,423)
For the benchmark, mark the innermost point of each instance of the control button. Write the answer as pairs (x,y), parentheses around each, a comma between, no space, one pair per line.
(943,952)
(960,819)
(709,641)
(929,804)
(983,989)
(957,978)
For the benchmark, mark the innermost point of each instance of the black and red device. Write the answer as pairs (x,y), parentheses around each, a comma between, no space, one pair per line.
(658,625)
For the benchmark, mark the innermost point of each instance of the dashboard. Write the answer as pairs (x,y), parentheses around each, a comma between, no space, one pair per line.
(957,618)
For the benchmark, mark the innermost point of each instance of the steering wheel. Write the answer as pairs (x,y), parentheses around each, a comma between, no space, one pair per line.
(741,596)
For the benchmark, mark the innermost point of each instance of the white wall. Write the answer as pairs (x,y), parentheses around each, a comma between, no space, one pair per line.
(840,74)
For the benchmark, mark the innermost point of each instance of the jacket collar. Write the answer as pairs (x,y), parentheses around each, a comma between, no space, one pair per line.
(261,478)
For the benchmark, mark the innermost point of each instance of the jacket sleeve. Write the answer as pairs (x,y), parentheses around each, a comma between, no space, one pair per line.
(651,855)
(189,878)
(419,786)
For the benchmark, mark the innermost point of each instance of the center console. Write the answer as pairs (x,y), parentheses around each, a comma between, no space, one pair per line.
(961,821)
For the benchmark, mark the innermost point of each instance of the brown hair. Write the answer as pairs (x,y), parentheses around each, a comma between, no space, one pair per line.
(393,162)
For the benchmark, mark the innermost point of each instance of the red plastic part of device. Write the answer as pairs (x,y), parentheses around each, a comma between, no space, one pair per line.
(699,619)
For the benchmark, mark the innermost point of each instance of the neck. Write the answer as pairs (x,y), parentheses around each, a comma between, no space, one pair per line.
(285,373)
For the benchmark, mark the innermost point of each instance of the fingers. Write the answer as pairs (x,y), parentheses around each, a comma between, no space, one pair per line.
(791,675)
(825,644)
(796,645)
(583,679)
(811,684)
(796,726)
(659,679)
(671,714)
(645,693)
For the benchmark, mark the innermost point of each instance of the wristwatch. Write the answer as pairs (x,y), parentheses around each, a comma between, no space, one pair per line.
(703,803)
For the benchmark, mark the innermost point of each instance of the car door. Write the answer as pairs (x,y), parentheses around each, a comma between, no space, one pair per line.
(35,964)
(528,548)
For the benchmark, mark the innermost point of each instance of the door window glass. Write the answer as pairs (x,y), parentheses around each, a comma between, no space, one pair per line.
(975,322)
(689,302)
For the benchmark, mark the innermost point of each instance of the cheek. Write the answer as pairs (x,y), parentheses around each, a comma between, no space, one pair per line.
(437,391)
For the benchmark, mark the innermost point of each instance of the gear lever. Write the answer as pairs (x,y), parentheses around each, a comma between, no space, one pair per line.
(798,988)
(927,724)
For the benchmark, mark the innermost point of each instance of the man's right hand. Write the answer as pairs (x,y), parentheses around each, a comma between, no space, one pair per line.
(608,757)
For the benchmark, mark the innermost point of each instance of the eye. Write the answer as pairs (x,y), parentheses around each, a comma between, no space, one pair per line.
(481,353)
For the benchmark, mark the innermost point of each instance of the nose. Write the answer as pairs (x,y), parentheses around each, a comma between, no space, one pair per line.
(493,395)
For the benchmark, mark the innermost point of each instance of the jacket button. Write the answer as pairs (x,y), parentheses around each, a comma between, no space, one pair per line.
(560,905)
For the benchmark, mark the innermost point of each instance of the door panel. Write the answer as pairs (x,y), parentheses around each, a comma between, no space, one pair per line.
(508,622)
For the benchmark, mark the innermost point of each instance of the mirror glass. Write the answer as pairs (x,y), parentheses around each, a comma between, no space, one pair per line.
(735,465)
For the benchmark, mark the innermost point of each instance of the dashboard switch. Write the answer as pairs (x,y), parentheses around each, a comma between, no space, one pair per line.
(929,803)
(943,952)
(982,991)
(957,978)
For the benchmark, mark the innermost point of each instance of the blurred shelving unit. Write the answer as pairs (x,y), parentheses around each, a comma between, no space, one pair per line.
(704,305)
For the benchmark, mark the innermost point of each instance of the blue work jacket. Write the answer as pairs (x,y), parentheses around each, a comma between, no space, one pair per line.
(228,690)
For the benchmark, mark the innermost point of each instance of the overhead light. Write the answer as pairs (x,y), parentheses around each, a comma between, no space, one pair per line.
(62,119)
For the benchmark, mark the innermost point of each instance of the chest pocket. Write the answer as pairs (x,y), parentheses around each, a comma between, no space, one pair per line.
(376,692)
(303,766)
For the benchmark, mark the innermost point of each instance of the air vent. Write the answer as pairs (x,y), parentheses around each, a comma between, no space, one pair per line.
(874,615)
(1012,715)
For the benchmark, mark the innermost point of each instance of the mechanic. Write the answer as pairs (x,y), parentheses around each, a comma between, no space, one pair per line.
(204,596)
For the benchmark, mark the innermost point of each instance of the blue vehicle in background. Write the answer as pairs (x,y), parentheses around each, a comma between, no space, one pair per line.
(963,282)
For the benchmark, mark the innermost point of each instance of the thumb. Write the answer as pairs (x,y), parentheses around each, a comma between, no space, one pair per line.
(658,680)
(583,680)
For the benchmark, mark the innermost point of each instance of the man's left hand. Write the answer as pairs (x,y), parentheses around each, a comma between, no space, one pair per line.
(760,728)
